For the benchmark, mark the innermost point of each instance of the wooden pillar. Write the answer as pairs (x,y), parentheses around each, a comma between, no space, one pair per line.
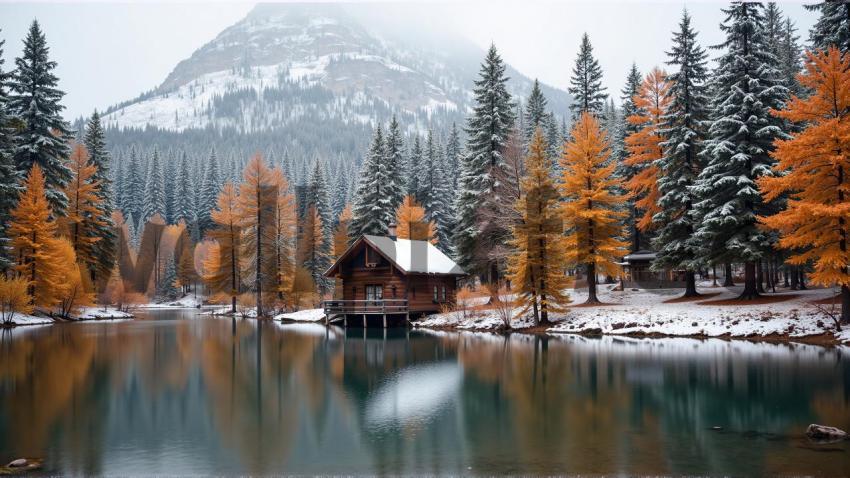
(364,321)
(345,320)
(385,320)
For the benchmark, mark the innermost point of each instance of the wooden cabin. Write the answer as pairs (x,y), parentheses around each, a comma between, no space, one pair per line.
(637,267)
(388,281)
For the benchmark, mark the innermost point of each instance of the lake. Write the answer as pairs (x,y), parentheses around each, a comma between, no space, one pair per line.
(178,393)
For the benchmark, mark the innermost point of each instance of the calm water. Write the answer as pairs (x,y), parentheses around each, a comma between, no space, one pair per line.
(178,394)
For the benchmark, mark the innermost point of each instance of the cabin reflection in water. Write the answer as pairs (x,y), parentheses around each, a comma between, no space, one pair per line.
(388,281)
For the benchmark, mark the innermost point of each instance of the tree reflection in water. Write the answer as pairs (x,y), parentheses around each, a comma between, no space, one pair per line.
(183,394)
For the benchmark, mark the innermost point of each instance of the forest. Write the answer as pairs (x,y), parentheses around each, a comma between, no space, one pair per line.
(736,161)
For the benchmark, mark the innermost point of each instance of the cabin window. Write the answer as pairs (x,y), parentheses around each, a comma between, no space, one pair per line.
(374,292)
(444,293)
(435,293)
(371,258)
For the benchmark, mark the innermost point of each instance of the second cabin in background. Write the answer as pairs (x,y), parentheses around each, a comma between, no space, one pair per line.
(386,281)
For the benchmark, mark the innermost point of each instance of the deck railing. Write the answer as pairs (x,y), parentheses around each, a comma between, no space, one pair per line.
(380,307)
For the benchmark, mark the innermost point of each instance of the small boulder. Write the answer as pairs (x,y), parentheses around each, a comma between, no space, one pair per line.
(823,432)
(20,462)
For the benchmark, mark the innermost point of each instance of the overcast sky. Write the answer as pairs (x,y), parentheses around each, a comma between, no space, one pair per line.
(110,52)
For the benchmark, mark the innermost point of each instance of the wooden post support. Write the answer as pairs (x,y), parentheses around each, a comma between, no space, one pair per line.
(385,321)
(345,320)
(364,321)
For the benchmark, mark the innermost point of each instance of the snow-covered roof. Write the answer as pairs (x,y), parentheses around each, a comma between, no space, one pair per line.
(642,255)
(414,256)
(418,257)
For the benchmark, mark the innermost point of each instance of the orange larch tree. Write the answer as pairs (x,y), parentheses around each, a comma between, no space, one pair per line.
(83,218)
(222,267)
(285,227)
(813,170)
(33,234)
(311,244)
(258,197)
(411,223)
(537,266)
(341,241)
(593,212)
(644,146)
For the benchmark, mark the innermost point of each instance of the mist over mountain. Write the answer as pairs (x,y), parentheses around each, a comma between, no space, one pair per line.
(311,80)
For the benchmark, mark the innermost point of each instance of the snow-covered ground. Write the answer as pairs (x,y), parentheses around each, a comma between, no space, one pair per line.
(187,302)
(307,315)
(651,312)
(24,319)
(100,313)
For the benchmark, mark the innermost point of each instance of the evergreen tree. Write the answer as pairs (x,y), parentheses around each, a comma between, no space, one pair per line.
(453,153)
(372,213)
(626,129)
(154,193)
(134,191)
(183,209)
(395,162)
(436,193)
(832,27)
(209,193)
(746,86)
(680,164)
(586,82)
(415,165)
(105,248)
(790,54)
(9,176)
(44,135)
(487,132)
(318,198)
(167,287)
(312,242)
(535,112)
(170,188)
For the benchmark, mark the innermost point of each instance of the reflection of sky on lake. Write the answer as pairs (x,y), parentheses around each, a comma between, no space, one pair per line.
(414,396)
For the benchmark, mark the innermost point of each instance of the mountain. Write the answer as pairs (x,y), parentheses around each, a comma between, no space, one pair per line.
(286,62)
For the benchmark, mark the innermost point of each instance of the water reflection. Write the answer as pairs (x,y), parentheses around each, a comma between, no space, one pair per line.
(204,395)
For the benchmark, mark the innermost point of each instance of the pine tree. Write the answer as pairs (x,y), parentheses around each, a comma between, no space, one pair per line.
(814,167)
(394,150)
(680,164)
(644,147)
(33,234)
(535,112)
(315,256)
(746,86)
(411,222)
(209,193)
(154,193)
(487,131)
(183,208)
(592,212)
(536,268)
(170,186)
(415,166)
(436,194)
(341,233)
(586,82)
(9,176)
(372,213)
(134,191)
(790,54)
(624,171)
(43,138)
(453,153)
(166,289)
(82,224)
(318,198)
(222,270)
(104,249)
(832,27)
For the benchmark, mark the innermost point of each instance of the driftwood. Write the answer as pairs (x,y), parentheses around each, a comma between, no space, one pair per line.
(20,466)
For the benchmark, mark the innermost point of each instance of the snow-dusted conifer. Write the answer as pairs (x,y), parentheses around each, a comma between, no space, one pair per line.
(154,192)
(43,137)
(134,189)
(395,162)
(535,112)
(832,27)
(586,82)
(372,213)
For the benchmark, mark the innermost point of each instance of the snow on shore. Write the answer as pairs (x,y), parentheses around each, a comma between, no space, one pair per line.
(25,319)
(187,302)
(652,312)
(101,313)
(307,315)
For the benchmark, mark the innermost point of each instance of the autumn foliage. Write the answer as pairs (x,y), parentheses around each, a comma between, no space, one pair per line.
(82,219)
(813,171)
(644,145)
(592,212)
(411,223)
(536,269)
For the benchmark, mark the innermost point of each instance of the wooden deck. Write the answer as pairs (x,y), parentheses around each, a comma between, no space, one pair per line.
(368,307)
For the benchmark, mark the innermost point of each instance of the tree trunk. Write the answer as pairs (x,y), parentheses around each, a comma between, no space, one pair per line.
(233,304)
(802,279)
(760,276)
(714,274)
(750,287)
(727,281)
(845,304)
(795,278)
(591,284)
(690,284)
